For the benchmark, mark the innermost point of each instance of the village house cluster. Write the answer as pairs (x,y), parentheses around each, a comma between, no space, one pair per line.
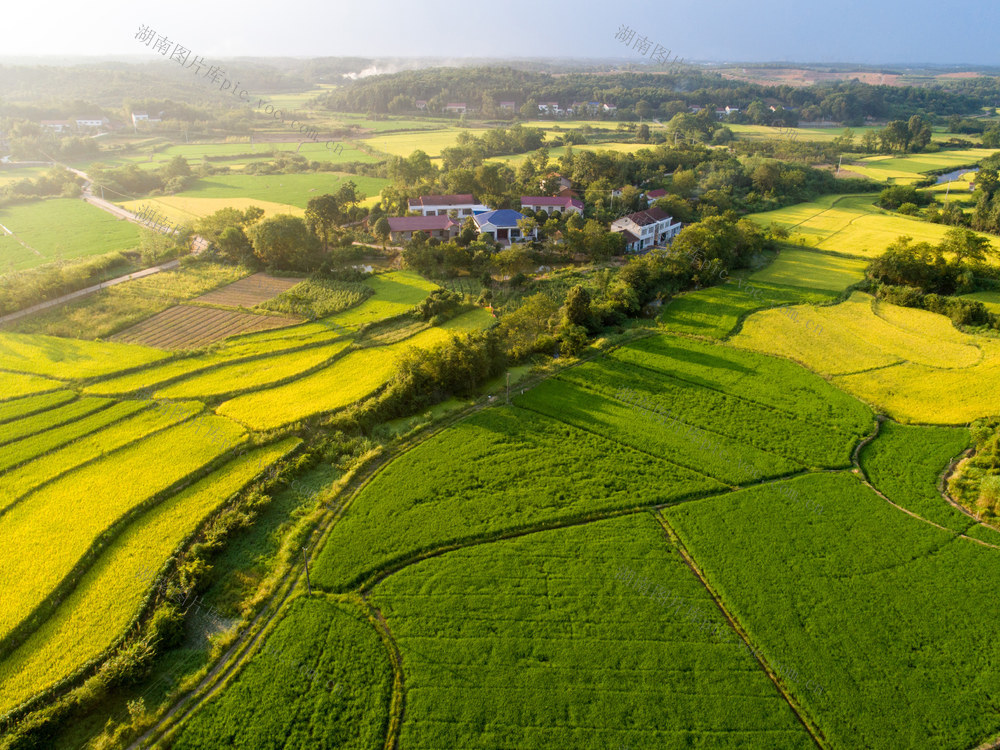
(443,216)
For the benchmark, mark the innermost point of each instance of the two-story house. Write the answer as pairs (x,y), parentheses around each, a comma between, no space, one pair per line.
(645,229)
(439,205)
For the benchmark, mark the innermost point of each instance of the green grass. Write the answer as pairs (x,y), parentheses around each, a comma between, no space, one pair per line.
(293,189)
(990,299)
(327,669)
(558,639)
(813,270)
(715,311)
(110,595)
(893,617)
(502,469)
(61,228)
(904,464)
(48,534)
(113,309)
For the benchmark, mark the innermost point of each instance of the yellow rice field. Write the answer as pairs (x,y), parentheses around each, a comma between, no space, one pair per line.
(913,364)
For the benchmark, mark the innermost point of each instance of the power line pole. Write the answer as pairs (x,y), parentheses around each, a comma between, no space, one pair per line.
(306,561)
(839,163)
(508,387)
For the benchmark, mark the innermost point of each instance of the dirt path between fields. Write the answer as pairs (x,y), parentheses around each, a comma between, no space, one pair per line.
(88,290)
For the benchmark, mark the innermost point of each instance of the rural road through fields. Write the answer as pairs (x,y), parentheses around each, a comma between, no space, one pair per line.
(89,290)
(198,244)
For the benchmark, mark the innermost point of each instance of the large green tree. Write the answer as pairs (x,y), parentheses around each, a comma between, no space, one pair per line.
(284,243)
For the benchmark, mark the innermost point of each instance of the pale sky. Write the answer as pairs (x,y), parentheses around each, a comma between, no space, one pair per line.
(863,31)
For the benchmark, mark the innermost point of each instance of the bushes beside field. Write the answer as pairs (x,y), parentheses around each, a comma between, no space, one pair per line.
(965,312)
(976,484)
(21,289)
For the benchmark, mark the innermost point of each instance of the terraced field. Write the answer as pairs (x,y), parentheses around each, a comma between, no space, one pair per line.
(817,593)
(288,189)
(811,269)
(248,292)
(110,595)
(569,463)
(111,310)
(100,490)
(70,359)
(715,311)
(576,635)
(349,379)
(906,169)
(912,363)
(392,294)
(324,659)
(187,210)
(851,225)
(990,299)
(673,544)
(193,326)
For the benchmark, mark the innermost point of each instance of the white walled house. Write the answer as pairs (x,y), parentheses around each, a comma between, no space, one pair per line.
(59,126)
(439,205)
(138,117)
(538,203)
(92,122)
(457,108)
(502,226)
(644,229)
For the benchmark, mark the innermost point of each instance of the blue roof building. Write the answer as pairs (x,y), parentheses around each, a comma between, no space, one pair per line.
(501,224)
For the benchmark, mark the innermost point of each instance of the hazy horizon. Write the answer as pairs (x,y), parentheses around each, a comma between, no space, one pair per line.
(770,31)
